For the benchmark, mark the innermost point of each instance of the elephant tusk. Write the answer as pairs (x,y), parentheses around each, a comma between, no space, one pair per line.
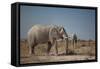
(66,37)
(59,40)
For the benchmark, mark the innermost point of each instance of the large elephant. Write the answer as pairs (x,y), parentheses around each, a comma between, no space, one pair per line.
(45,34)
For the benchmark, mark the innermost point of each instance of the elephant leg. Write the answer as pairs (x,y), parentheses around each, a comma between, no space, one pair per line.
(49,47)
(33,49)
(56,48)
(66,41)
(73,45)
(30,48)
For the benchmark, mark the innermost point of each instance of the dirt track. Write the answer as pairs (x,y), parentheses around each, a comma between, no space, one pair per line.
(41,59)
(83,51)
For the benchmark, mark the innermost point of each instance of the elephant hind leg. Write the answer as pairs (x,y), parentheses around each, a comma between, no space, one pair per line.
(49,47)
(33,49)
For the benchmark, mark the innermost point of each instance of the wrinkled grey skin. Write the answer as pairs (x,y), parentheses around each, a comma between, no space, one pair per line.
(39,34)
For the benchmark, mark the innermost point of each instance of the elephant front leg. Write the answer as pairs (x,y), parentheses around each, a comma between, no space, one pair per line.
(56,48)
(66,44)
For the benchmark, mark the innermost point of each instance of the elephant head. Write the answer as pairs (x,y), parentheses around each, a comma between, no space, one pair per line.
(62,32)
(58,32)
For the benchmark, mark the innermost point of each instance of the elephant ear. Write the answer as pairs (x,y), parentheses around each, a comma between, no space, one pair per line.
(63,32)
(53,34)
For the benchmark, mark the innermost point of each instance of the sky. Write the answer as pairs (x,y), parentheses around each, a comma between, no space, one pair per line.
(75,21)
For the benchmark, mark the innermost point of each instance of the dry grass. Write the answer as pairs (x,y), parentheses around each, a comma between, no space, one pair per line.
(84,50)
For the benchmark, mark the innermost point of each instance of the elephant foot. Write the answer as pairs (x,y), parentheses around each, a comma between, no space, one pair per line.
(56,54)
(52,54)
(33,52)
(48,54)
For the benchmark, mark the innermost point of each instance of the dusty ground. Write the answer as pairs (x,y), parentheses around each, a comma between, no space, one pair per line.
(41,59)
(84,50)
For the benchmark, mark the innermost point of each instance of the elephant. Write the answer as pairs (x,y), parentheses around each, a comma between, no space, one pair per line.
(39,34)
(75,41)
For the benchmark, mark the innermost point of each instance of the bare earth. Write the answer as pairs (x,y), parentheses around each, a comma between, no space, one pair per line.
(82,51)
(41,59)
